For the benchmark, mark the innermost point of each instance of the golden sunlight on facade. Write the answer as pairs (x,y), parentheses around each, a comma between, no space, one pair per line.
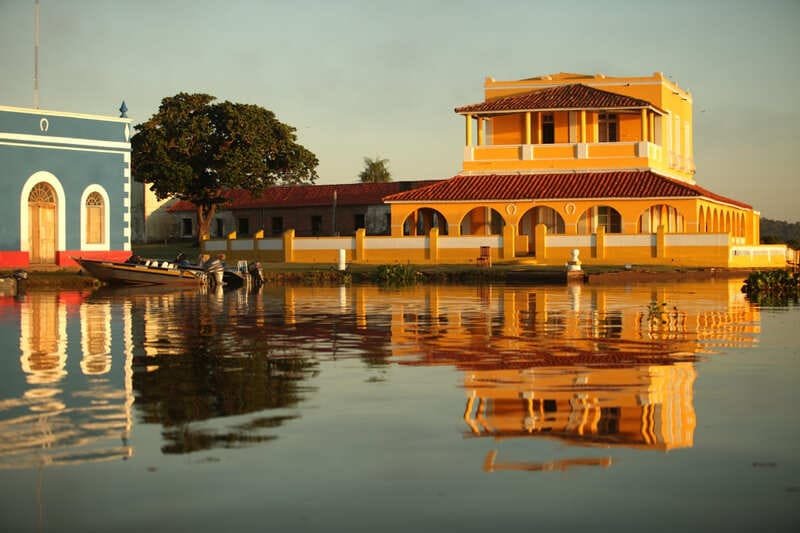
(601,164)
(598,163)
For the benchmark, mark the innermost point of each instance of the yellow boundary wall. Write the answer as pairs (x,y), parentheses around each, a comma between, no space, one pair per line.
(601,248)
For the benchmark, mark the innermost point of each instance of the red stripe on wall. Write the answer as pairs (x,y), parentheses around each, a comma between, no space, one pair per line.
(14,259)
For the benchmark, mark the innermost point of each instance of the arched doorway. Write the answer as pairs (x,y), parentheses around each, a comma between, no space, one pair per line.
(422,220)
(542,214)
(482,221)
(42,223)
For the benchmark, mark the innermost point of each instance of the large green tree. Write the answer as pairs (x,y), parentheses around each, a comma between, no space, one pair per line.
(375,171)
(197,149)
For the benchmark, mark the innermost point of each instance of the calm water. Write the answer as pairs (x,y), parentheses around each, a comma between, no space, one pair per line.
(435,408)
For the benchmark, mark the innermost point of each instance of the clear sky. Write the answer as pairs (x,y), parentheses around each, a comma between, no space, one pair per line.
(381,78)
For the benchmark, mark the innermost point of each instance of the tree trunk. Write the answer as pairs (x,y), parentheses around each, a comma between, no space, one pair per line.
(205,213)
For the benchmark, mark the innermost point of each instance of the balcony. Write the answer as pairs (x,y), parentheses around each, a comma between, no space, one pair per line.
(566,156)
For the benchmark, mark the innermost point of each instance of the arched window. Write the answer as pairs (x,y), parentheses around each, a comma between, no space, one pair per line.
(600,215)
(42,193)
(661,215)
(95,216)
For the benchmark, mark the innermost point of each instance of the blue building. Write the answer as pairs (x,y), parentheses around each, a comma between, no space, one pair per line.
(65,187)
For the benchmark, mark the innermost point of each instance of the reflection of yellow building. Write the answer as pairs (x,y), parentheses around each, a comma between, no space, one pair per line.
(587,364)
(647,406)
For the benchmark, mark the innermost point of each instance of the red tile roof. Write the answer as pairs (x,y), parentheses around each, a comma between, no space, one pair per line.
(311,195)
(565,185)
(575,96)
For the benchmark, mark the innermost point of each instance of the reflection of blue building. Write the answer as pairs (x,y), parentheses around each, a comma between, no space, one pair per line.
(64,187)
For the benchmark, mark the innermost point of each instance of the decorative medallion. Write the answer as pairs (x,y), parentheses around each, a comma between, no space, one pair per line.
(569,208)
(44,124)
(511,209)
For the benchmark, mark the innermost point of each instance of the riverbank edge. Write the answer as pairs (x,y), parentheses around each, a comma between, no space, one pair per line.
(313,274)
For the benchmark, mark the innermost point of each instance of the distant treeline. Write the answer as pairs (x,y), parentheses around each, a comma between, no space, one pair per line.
(779,231)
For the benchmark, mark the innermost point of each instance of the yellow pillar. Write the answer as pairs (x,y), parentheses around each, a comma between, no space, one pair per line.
(480,132)
(652,127)
(433,245)
(538,127)
(540,245)
(756,229)
(644,124)
(583,125)
(468,130)
(661,242)
(288,246)
(509,241)
(527,127)
(361,235)
(600,242)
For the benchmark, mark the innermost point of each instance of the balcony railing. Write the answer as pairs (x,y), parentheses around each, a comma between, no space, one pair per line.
(574,155)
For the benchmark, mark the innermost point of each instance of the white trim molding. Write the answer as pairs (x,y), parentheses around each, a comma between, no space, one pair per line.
(105,245)
(72,141)
(61,209)
(51,113)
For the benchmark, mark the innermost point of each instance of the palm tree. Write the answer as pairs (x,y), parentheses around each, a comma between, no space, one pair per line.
(375,171)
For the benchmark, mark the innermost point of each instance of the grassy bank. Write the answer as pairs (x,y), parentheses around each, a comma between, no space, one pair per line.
(397,274)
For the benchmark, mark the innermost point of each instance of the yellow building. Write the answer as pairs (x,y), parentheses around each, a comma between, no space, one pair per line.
(602,164)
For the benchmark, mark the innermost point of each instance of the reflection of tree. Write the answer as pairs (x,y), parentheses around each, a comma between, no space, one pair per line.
(201,386)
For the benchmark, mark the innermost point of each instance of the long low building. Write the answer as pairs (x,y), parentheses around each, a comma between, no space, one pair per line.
(309,210)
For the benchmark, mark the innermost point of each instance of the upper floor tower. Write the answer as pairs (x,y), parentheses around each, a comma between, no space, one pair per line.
(580,122)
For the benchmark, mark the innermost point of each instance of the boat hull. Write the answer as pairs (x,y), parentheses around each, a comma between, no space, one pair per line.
(132,274)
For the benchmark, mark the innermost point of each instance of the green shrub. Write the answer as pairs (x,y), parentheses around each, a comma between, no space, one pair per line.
(772,287)
(396,275)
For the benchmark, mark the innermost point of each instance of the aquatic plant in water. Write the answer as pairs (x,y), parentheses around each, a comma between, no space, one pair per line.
(397,275)
(772,287)
(663,322)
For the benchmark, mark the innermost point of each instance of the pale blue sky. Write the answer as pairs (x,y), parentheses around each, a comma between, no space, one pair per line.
(366,78)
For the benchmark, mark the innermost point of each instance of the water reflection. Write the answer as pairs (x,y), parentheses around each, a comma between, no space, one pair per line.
(587,365)
(201,360)
(58,419)
(593,366)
